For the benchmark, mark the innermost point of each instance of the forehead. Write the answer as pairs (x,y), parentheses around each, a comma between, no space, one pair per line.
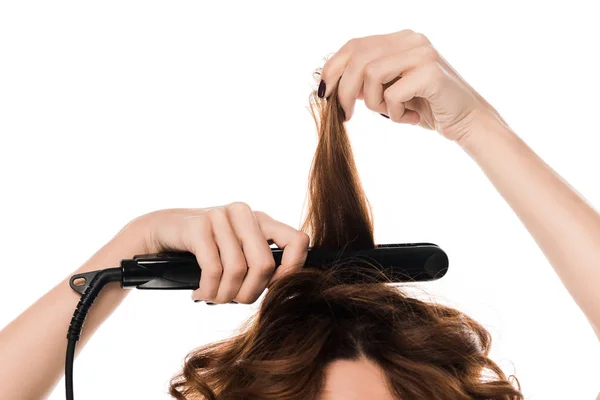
(354,380)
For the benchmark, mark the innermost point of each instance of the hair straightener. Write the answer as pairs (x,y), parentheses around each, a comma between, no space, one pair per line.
(405,262)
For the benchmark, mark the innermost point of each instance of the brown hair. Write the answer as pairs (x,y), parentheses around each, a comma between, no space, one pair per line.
(311,317)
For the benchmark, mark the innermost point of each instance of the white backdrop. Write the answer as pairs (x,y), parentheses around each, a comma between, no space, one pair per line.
(112,109)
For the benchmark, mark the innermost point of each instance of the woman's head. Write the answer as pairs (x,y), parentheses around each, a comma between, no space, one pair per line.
(317,337)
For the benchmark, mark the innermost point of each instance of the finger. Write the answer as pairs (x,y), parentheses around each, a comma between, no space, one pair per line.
(335,66)
(351,83)
(383,71)
(232,257)
(401,114)
(202,244)
(408,117)
(257,253)
(365,50)
(293,242)
(361,93)
(421,82)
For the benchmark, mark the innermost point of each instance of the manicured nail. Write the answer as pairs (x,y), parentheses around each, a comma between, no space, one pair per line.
(321,91)
(383,115)
(197,301)
(209,303)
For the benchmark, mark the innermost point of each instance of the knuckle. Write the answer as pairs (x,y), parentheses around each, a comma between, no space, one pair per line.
(265,266)
(354,64)
(355,44)
(196,223)
(211,271)
(261,215)
(352,43)
(395,118)
(303,239)
(429,53)
(372,72)
(142,220)
(152,214)
(245,299)
(157,215)
(390,97)
(217,213)
(239,207)
(238,269)
(433,71)
(421,38)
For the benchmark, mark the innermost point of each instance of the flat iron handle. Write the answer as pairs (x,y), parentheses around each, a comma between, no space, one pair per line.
(164,271)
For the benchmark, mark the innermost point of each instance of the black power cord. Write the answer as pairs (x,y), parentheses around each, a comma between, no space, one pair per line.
(92,290)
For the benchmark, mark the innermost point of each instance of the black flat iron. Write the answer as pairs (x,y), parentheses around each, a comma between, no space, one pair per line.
(404,262)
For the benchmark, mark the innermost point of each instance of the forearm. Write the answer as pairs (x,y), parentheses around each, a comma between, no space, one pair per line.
(32,347)
(565,227)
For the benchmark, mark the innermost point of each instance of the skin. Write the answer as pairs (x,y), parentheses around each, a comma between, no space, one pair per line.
(400,75)
(355,380)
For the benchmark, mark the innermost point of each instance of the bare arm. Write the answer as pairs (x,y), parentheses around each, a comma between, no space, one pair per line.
(565,227)
(33,346)
(403,77)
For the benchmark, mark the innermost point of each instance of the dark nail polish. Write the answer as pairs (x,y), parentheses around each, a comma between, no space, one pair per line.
(321,91)
(208,303)
(384,115)
(197,301)
(233,302)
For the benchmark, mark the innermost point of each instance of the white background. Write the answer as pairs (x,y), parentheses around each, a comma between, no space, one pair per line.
(112,109)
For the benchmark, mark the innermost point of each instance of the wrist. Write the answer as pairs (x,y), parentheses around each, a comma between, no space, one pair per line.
(128,242)
(484,127)
(134,235)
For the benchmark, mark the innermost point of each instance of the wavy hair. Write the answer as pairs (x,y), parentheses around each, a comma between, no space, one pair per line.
(311,318)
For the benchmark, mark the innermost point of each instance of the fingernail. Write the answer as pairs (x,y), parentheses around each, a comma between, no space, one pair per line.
(197,301)
(233,302)
(209,303)
(383,115)
(321,91)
